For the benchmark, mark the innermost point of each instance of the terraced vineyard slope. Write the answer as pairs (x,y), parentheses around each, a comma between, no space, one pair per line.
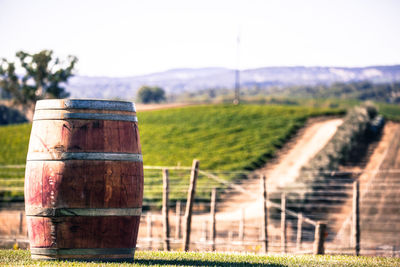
(222,137)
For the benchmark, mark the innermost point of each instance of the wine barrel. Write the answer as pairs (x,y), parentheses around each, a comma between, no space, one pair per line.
(84,180)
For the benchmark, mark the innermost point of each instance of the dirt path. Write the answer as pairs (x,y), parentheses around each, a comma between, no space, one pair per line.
(144,107)
(311,139)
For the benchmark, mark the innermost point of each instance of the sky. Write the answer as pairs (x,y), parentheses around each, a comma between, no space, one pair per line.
(128,38)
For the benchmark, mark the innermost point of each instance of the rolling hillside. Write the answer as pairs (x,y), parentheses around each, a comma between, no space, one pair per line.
(218,135)
(222,137)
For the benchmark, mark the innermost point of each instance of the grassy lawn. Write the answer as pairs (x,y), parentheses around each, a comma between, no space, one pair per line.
(144,258)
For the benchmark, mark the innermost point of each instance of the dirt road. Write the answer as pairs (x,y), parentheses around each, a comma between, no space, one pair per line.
(144,107)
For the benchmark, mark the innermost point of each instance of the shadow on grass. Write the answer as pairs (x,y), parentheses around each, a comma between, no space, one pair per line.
(202,263)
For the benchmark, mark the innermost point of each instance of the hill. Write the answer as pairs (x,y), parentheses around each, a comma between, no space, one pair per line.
(222,137)
(178,135)
(362,90)
(178,81)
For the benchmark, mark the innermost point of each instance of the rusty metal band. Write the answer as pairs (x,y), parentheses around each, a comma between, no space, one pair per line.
(48,156)
(57,115)
(66,212)
(82,251)
(85,104)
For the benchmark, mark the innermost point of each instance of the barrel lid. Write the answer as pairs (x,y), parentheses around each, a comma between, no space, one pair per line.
(85,104)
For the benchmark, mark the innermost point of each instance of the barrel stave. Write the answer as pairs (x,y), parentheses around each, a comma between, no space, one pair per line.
(84,180)
(84,184)
(55,136)
(80,232)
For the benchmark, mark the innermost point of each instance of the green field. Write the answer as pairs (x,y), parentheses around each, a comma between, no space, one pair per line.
(222,137)
(390,111)
(14,143)
(144,258)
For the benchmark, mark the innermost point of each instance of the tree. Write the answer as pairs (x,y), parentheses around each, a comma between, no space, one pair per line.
(148,94)
(40,77)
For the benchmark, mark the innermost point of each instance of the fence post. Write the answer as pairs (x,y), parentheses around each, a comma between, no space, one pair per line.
(264,213)
(204,231)
(299,231)
(178,220)
(230,237)
(319,240)
(189,204)
(212,215)
(150,230)
(165,211)
(283,223)
(241,225)
(21,222)
(356,217)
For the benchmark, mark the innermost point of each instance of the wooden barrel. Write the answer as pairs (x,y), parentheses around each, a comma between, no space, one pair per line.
(84,180)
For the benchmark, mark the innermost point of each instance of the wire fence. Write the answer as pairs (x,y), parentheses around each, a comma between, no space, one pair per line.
(369,225)
(362,216)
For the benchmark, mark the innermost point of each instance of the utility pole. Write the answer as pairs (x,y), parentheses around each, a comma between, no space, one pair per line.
(237,72)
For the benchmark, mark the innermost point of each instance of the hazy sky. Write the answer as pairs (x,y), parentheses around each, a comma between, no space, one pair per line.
(123,38)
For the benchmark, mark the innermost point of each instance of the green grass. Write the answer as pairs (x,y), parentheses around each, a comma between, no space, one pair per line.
(11,172)
(390,111)
(145,258)
(14,143)
(222,137)
(10,182)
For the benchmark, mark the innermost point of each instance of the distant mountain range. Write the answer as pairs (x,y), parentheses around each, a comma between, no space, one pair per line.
(190,80)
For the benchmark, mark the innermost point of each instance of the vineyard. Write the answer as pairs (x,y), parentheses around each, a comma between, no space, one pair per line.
(222,137)
(228,180)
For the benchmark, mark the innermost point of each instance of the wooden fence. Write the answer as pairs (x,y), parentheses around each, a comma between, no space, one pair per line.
(319,227)
(332,222)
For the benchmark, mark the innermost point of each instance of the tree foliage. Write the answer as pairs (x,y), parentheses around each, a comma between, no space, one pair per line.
(148,94)
(35,76)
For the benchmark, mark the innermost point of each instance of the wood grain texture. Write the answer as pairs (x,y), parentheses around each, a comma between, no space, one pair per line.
(39,231)
(56,136)
(53,184)
(84,184)
(84,232)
